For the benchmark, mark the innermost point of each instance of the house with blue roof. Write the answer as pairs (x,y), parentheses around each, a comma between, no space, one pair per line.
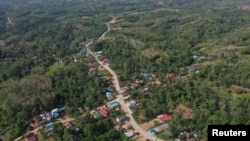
(146,74)
(109,95)
(151,130)
(50,126)
(191,69)
(113,104)
(55,113)
(132,104)
(83,51)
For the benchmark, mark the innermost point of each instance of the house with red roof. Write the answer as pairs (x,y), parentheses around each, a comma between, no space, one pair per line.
(164,117)
(92,69)
(31,137)
(104,112)
(106,61)
(170,74)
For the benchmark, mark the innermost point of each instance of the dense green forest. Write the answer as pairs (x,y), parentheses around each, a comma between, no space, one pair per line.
(157,36)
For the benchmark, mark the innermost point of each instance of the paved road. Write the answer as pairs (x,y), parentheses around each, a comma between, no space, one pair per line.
(120,98)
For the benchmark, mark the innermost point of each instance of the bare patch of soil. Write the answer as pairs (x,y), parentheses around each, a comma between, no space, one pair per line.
(186,112)
(146,125)
(245,7)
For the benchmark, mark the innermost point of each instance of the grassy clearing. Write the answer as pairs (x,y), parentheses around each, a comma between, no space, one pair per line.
(151,52)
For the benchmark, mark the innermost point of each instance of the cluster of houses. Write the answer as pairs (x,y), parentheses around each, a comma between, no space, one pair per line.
(105,61)
(126,89)
(119,122)
(163,119)
(102,112)
(46,117)
(110,89)
(159,128)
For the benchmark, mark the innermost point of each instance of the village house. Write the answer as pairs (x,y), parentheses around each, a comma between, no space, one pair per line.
(170,75)
(37,119)
(164,117)
(106,61)
(191,69)
(104,112)
(118,127)
(121,119)
(97,115)
(184,135)
(109,95)
(55,113)
(49,127)
(159,128)
(81,110)
(46,116)
(146,74)
(98,53)
(83,51)
(145,90)
(129,134)
(113,104)
(132,104)
(31,137)
(125,91)
(92,69)
(110,88)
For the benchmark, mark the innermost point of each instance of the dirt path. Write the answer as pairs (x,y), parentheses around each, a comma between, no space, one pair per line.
(10,21)
(35,131)
(120,98)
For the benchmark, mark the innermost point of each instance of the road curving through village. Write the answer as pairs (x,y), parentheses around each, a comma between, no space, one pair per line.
(120,97)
